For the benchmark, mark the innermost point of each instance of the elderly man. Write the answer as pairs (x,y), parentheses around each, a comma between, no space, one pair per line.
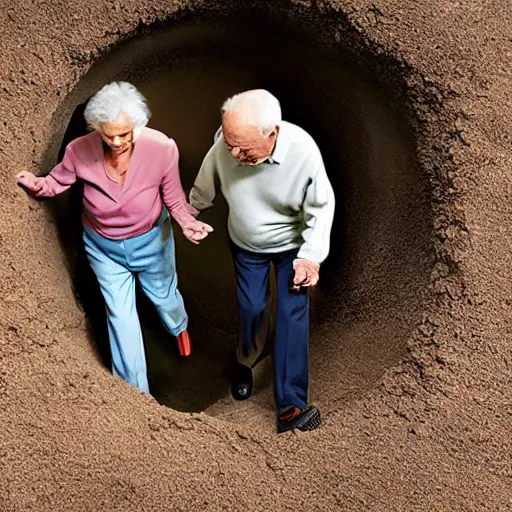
(281,207)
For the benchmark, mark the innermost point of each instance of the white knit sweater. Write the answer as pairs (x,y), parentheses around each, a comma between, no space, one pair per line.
(284,203)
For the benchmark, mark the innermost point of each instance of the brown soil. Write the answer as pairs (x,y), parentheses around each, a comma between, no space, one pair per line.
(411,323)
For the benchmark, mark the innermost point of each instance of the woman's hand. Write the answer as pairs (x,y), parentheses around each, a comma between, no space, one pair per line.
(30,183)
(195,230)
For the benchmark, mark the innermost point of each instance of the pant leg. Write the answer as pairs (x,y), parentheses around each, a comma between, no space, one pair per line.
(252,291)
(292,333)
(117,285)
(152,256)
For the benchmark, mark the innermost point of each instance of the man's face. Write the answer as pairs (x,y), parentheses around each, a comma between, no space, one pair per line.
(118,135)
(247,144)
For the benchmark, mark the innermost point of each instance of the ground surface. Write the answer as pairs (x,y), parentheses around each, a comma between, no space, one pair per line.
(427,429)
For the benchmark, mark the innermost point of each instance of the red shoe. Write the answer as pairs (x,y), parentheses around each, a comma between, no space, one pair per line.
(184,344)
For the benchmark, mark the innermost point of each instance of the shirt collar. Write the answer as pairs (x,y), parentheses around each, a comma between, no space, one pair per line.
(281,147)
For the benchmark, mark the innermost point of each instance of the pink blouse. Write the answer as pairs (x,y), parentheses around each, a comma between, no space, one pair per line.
(121,211)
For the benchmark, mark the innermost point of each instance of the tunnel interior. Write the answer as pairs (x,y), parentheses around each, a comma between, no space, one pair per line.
(372,286)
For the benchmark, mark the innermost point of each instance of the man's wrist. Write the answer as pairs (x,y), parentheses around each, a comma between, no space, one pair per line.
(308,261)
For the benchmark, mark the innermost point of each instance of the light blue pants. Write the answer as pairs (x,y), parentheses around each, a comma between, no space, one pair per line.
(151,258)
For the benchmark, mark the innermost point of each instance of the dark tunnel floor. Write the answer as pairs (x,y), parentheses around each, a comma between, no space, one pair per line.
(371,287)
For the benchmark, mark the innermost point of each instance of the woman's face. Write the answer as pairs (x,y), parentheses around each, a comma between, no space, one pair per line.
(118,135)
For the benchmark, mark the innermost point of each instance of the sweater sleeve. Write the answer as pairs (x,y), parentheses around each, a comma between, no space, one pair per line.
(172,191)
(205,186)
(60,178)
(318,210)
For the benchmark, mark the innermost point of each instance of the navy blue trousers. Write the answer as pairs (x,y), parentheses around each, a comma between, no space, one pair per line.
(292,320)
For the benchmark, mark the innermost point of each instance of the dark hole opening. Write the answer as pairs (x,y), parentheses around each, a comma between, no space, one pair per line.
(372,284)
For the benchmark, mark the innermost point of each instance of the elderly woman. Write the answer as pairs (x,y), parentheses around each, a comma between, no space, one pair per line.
(131,184)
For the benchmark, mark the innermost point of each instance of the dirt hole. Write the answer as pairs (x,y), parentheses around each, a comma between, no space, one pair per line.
(371,289)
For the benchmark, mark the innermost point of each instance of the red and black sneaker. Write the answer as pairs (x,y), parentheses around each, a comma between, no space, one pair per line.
(292,417)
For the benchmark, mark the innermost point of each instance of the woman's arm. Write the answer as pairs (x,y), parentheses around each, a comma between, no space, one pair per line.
(176,202)
(61,177)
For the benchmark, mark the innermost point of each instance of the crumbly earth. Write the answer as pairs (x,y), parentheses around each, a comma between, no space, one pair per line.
(425,426)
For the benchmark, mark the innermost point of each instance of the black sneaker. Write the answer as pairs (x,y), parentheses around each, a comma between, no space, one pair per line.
(241,382)
(293,417)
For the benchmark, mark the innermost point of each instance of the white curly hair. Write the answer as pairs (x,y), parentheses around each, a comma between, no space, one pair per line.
(114,100)
(257,108)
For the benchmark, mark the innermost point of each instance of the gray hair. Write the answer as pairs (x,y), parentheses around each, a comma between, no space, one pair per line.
(258,108)
(113,100)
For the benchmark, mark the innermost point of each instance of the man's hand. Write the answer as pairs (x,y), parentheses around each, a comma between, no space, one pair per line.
(195,230)
(306,273)
(30,183)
